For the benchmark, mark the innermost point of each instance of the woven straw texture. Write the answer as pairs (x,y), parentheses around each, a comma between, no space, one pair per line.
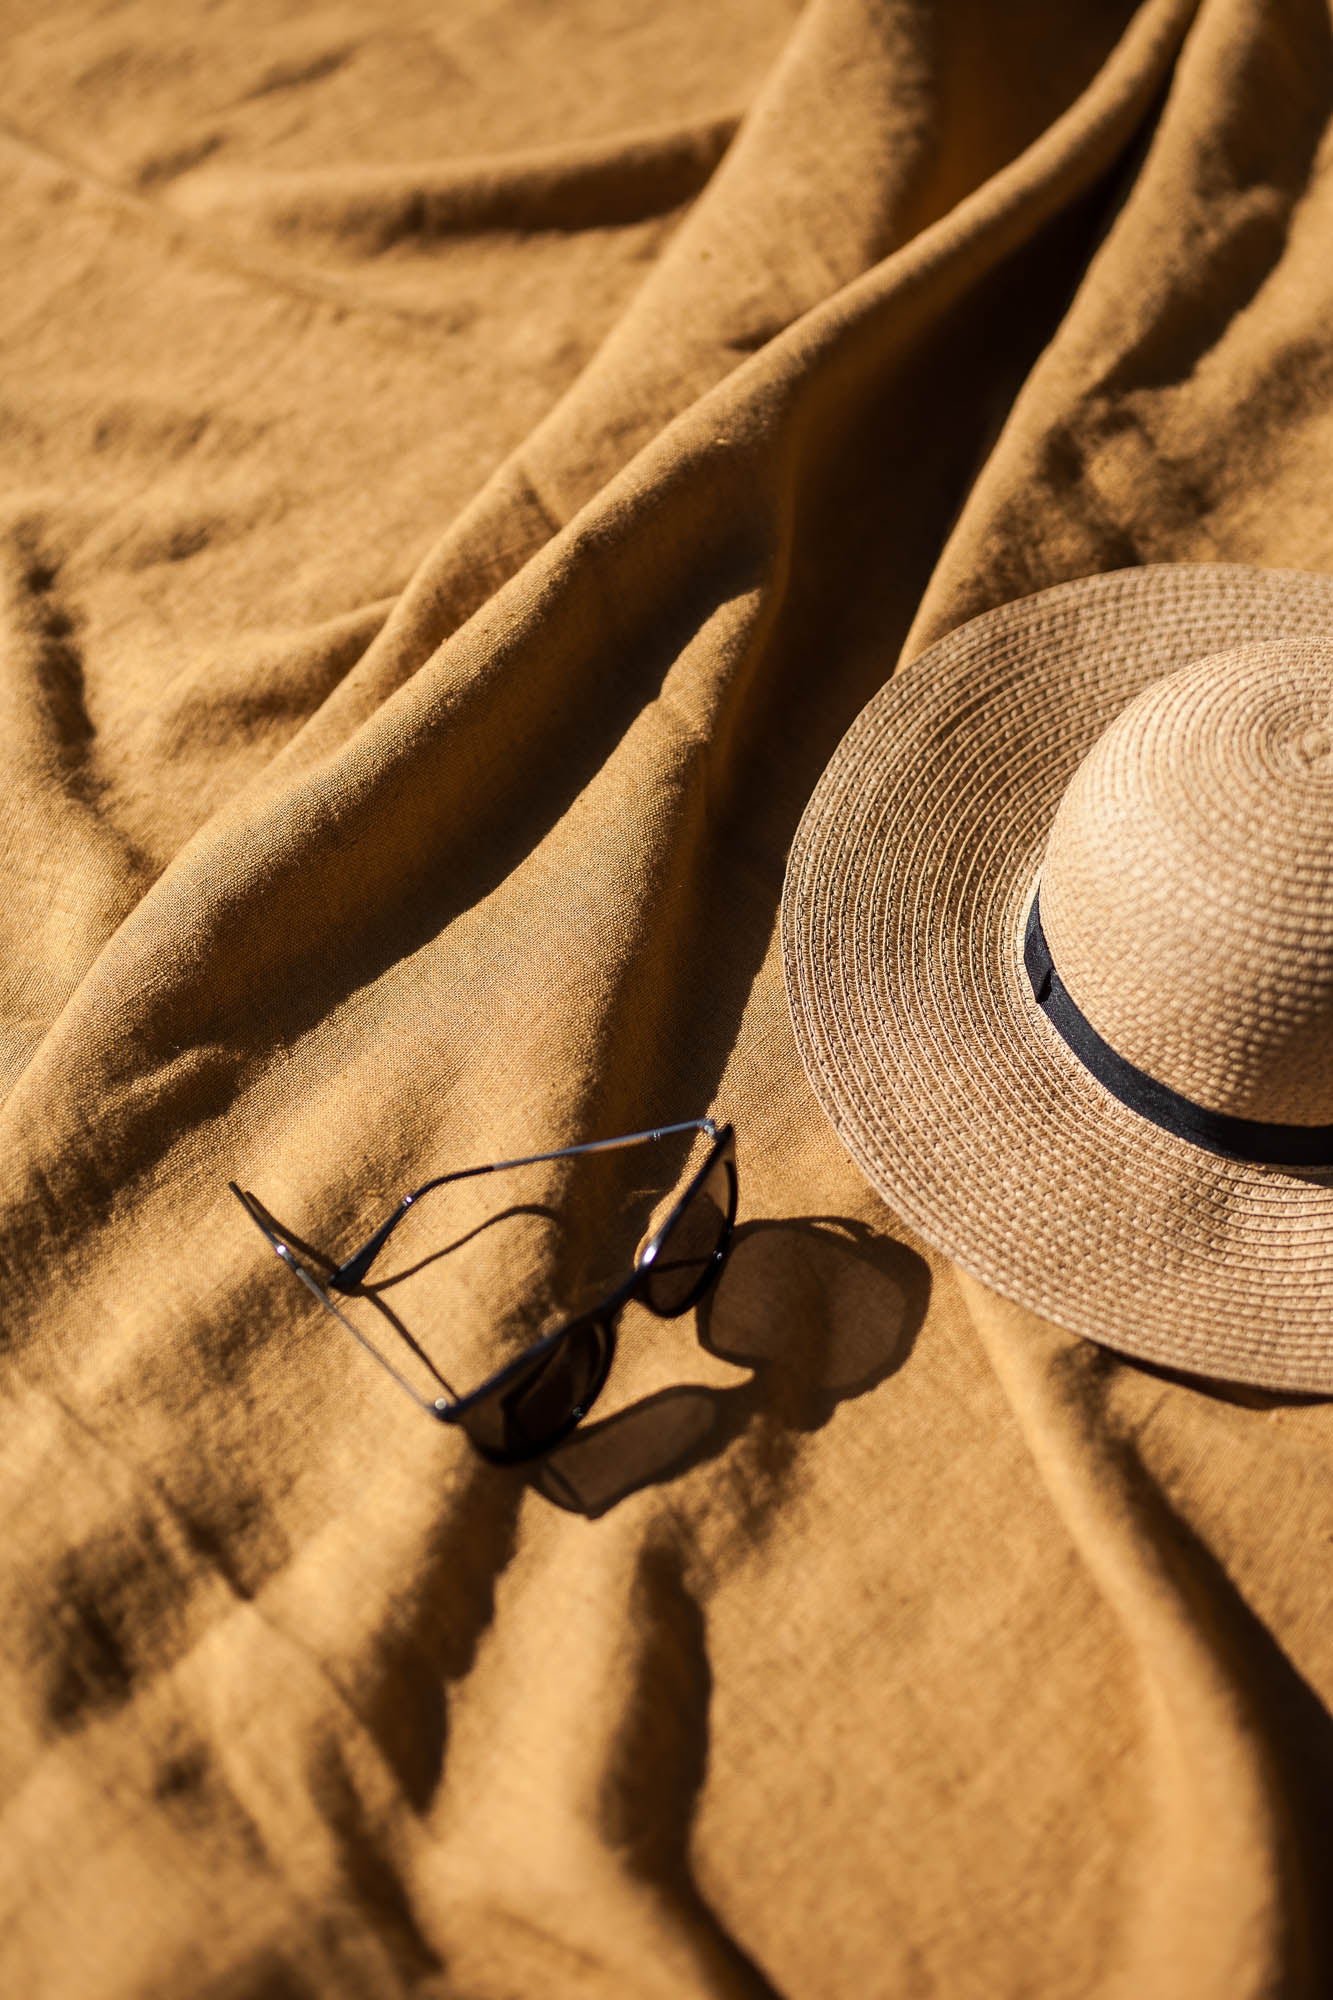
(906,894)
(1187,885)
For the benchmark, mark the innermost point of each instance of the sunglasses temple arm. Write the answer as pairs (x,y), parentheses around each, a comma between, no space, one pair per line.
(435,1406)
(350,1273)
(440,1407)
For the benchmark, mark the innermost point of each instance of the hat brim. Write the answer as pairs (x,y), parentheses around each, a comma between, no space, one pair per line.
(903,913)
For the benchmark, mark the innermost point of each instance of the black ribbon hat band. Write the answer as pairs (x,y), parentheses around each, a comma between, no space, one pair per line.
(1216,1131)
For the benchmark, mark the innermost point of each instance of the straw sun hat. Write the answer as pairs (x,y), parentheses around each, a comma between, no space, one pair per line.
(1058,930)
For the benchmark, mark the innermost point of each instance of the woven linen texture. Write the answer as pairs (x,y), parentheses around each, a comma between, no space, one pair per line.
(465,468)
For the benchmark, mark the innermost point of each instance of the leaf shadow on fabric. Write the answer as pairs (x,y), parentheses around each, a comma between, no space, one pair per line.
(821,1309)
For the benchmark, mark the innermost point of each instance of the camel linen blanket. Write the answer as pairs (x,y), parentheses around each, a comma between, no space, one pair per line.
(464,466)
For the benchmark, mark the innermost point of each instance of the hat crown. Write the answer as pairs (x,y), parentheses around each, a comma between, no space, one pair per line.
(1187,885)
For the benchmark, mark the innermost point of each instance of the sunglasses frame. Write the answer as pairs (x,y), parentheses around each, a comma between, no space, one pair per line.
(451,1409)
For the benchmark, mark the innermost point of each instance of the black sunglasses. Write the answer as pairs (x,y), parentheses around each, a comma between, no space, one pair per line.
(530,1404)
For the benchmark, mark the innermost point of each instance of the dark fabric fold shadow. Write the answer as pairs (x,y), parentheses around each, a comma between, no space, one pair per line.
(365,211)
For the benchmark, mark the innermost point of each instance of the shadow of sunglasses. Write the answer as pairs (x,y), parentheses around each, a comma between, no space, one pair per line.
(534,1401)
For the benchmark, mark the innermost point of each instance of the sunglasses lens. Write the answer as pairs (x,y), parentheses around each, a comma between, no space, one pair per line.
(533,1408)
(687,1258)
